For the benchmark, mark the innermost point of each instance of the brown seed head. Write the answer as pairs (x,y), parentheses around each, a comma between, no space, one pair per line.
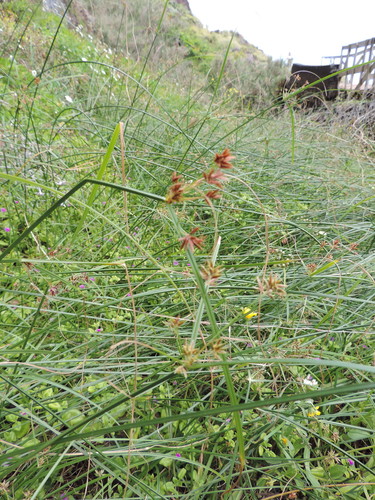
(212,195)
(175,177)
(214,177)
(292,496)
(175,193)
(181,370)
(311,267)
(190,356)
(4,487)
(271,286)
(210,273)
(335,436)
(191,241)
(176,322)
(223,159)
(218,348)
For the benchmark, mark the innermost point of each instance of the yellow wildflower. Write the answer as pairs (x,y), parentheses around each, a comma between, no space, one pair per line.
(284,440)
(248,313)
(315,412)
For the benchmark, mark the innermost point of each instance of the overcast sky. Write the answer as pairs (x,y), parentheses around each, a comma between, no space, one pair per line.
(307,30)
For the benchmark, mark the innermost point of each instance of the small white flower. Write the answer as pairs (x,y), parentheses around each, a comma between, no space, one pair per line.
(83,59)
(322,233)
(34,73)
(309,380)
(68,99)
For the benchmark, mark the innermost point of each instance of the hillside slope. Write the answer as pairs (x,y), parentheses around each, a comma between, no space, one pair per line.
(183,46)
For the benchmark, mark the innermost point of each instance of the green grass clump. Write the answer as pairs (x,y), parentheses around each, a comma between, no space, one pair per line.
(220,346)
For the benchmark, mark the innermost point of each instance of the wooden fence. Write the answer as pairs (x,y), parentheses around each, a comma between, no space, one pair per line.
(363,77)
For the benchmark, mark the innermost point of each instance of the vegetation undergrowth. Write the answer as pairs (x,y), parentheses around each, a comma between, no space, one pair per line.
(187,287)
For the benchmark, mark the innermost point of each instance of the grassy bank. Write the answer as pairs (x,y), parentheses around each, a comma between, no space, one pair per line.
(220,345)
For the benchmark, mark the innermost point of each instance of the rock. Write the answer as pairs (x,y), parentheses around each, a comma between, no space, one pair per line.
(184,2)
(56,6)
(76,16)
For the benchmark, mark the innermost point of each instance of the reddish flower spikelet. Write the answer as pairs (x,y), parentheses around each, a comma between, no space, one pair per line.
(212,195)
(214,177)
(223,159)
(175,177)
(175,193)
(190,241)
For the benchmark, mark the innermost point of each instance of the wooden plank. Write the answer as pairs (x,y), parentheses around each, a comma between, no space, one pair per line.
(359,44)
(350,62)
(370,85)
(361,53)
(344,63)
(367,76)
(357,70)
(356,57)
